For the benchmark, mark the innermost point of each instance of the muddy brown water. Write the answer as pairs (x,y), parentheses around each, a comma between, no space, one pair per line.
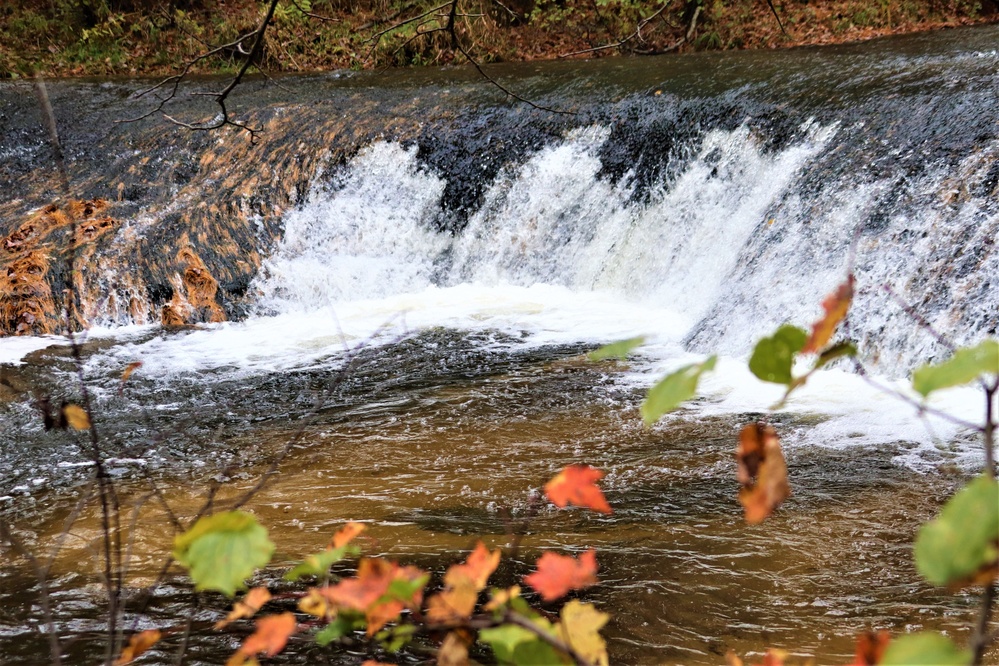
(436,462)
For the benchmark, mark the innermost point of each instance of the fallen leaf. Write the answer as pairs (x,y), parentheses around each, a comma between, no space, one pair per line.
(761,471)
(248,606)
(557,574)
(576,484)
(270,637)
(871,648)
(138,644)
(836,306)
(76,417)
(346,534)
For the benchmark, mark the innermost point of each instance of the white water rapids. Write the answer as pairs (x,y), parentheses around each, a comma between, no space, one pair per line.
(557,254)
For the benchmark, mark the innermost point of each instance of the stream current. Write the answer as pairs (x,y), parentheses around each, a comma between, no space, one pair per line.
(423,313)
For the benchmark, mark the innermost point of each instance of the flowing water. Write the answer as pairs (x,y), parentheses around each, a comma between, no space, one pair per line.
(413,268)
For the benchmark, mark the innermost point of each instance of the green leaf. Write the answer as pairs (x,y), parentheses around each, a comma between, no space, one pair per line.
(964,538)
(335,630)
(405,590)
(515,645)
(924,649)
(619,349)
(504,640)
(673,389)
(833,352)
(223,550)
(773,357)
(966,365)
(317,564)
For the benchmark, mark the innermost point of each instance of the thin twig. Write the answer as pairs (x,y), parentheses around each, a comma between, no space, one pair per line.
(637,33)
(506,90)
(918,318)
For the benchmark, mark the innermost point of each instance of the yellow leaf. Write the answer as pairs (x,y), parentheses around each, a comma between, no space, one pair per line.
(453,604)
(76,417)
(453,651)
(502,597)
(580,628)
(315,604)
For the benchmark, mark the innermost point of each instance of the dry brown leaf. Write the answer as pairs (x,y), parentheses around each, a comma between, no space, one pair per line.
(453,651)
(251,602)
(129,369)
(138,644)
(761,471)
(836,306)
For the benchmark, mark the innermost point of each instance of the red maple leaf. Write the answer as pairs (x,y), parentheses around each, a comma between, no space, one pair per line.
(557,575)
(576,484)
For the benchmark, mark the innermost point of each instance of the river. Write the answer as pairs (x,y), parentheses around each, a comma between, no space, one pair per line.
(411,268)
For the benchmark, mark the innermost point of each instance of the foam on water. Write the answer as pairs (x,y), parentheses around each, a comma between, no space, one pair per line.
(558,254)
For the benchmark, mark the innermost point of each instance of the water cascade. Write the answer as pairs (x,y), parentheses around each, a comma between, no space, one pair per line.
(468,249)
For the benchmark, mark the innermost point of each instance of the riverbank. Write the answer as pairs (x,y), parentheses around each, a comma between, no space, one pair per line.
(146,38)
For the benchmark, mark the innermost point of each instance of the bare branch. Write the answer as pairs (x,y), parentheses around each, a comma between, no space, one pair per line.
(636,34)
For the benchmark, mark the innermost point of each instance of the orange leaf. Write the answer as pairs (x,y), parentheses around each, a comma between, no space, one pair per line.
(576,484)
(271,635)
(364,593)
(732,659)
(774,657)
(559,574)
(836,306)
(372,581)
(346,534)
(761,471)
(76,417)
(871,648)
(138,644)
(129,369)
(477,568)
(247,606)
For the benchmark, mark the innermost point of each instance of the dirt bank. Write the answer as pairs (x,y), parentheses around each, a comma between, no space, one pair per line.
(152,37)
